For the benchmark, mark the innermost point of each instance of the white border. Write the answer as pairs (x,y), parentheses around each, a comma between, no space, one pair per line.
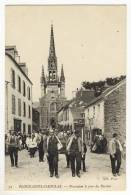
(2,84)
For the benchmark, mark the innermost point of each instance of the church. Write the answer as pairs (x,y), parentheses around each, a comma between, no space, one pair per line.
(52,89)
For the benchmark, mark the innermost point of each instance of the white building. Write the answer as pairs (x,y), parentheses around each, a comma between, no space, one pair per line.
(69,115)
(65,116)
(18,93)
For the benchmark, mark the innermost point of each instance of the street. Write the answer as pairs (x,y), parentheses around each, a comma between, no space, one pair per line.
(34,175)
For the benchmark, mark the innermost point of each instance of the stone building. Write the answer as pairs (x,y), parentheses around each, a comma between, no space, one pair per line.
(52,89)
(107,112)
(35,119)
(18,93)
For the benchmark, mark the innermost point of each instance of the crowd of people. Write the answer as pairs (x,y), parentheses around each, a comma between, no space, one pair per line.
(48,144)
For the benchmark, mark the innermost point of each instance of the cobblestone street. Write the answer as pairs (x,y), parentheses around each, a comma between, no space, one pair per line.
(34,175)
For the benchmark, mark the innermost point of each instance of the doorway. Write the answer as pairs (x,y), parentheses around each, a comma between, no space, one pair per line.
(17,125)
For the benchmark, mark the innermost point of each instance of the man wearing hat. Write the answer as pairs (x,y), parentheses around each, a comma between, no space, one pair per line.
(13,146)
(74,148)
(115,149)
(52,153)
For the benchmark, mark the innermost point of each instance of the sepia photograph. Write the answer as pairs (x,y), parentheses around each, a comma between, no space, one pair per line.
(65,98)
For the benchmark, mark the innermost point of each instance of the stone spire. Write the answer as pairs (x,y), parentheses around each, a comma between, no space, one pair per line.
(52,60)
(52,43)
(43,80)
(62,77)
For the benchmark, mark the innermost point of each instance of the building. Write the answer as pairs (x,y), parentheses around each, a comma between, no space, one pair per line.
(107,112)
(35,116)
(52,89)
(71,115)
(18,93)
(35,119)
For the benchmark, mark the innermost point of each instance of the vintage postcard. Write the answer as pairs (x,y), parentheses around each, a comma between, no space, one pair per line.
(65,97)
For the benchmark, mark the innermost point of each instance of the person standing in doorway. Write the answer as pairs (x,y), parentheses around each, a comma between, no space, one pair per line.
(115,149)
(74,148)
(13,147)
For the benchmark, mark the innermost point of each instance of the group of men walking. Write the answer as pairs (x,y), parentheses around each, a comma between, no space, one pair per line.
(49,145)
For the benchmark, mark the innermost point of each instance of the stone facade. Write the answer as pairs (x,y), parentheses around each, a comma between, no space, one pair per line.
(115,112)
(107,112)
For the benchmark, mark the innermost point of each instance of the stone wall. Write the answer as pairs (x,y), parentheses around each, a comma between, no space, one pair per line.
(115,112)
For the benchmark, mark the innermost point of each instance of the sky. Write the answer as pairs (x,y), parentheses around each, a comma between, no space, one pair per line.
(90,41)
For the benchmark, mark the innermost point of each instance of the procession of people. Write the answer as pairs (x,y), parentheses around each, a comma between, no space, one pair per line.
(48,144)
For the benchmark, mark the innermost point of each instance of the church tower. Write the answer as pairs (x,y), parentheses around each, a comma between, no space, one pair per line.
(62,83)
(52,78)
(52,89)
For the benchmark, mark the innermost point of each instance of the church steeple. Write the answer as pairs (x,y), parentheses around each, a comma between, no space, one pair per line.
(52,43)
(52,60)
(62,77)
(43,82)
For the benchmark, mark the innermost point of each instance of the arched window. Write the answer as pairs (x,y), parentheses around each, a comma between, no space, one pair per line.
(53,107)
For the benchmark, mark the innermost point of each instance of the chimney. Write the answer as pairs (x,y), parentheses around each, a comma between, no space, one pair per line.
(12,51)
(24,68)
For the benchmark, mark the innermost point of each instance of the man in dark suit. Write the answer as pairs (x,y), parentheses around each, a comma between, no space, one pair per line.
(52,153)
(13,146)
(74,148)
(115,150)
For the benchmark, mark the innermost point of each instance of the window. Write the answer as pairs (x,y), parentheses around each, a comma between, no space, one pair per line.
(13,78)
(24,128)
(19,84)
(24,89)
(13,104)
(29,113)
(29,129)
(99,107)
(28,93)
(24,109)
(83,115)
(53,107)
(88,110)
(93,110)
(19,107)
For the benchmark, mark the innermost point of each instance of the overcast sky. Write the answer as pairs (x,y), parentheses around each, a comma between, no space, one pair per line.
(89,41)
